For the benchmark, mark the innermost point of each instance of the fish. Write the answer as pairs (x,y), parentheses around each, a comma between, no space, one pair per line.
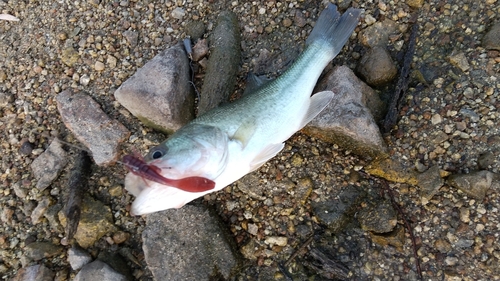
(232,140)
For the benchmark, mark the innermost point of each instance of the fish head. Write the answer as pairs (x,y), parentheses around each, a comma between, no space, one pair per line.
(201,151)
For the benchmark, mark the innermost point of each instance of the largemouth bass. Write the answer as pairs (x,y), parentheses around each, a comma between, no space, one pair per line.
(233,140)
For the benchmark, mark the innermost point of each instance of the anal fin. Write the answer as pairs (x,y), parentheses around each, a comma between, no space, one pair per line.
(265,155)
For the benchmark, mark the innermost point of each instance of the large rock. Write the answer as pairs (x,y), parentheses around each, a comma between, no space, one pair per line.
(223,63)
(188,244)
(159,94)
(348,120)
(91,126)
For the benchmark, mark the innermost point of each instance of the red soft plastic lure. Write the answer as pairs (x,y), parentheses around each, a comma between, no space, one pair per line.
(151,172)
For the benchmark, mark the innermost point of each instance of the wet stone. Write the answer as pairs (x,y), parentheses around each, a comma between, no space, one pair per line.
(486,159)
(377,67)
(98,270)
(336,213)
(459,60)
(132,37)
(49,164)
(69,56)
(39,211)
(195,30)
(77,257)
(392,170)
(116,261)
(39,250)
(378,33)
(276,240)
(430,182)
(378,216)
(395,238)
(474,184)
(91,126)
(491,40)
(34,273)
(26,147)
(200,50)
(442,245)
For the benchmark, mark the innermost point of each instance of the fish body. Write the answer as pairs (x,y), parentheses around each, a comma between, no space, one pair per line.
(235,139)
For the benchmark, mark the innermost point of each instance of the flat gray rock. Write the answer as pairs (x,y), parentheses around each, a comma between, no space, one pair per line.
(492,38)
(77,257)
(34,273)
(336,213)
(430,182)
(100,271)
(49,164)
(91,126)
(188,244)
(159,93)
(348,120)
(39,250)
(474,184)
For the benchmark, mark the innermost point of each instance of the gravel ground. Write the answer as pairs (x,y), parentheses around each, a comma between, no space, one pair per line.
(88,46)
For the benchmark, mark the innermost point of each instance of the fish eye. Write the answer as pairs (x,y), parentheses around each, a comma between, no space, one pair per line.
(156,154)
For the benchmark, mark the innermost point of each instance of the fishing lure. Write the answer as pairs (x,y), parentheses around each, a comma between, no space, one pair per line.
(153,173)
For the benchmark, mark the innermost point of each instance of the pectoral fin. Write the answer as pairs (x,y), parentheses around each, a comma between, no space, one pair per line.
(269,152)
(318,102)
(245,133)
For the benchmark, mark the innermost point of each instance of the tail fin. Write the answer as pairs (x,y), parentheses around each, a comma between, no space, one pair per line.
(333,29)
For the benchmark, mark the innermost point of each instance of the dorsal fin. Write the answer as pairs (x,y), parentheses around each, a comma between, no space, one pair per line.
(255,82)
